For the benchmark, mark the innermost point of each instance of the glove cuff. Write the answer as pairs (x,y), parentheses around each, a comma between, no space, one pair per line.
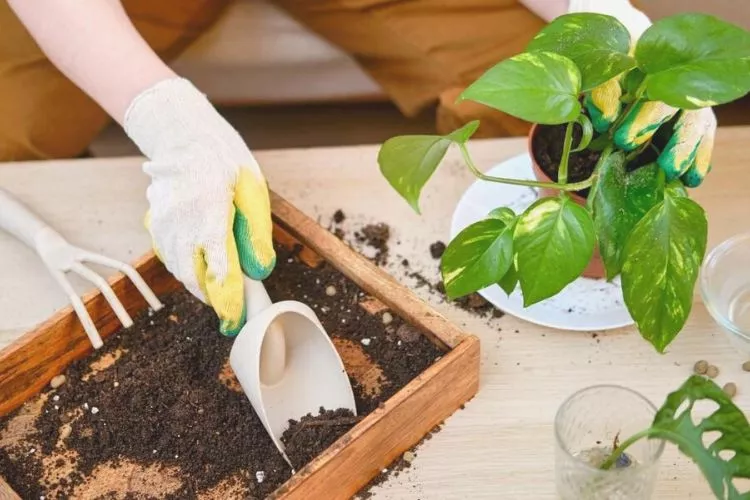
(162,116)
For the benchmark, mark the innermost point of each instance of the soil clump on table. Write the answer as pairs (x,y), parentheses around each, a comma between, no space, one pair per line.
(157,411)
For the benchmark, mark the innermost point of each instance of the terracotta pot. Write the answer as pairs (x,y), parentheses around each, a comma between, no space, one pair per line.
(595,269)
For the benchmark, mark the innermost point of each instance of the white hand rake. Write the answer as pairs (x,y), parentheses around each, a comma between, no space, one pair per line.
(61,257)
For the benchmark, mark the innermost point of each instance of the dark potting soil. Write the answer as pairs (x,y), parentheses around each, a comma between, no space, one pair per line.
(547,146)
(376,236)
(161,402)
(307,437)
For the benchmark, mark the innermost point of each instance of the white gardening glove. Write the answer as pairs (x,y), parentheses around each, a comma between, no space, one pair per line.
(209,216)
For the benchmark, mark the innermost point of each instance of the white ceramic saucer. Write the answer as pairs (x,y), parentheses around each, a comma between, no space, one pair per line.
(585,304)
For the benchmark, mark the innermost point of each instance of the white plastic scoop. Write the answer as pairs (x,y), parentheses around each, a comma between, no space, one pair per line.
(286,363)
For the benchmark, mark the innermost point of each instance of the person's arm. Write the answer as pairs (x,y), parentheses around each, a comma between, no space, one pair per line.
(210,215)
(96,46)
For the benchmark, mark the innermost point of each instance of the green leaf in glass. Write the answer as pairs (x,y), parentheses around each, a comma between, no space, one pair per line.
(661,260)
(539,87)
(598,44)
(554,240)
(677,423)
(694,61)
(477,257)
(408,161)
(619,201)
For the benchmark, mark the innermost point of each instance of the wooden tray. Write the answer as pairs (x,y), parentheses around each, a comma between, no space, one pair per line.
(28,364)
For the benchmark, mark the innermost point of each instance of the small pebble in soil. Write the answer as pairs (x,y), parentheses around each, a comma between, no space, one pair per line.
(409,456)
(746,366)
(712,371)
(366,341)
(408,333)
(261,475)
(730,388)
(437,249)
(331,290)
(94,410)
(57,381)
(116,384)
(65,431)
(701,367)
(387,318)
(56,397)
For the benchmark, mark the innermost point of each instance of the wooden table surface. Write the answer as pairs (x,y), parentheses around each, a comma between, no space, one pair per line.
(501,445)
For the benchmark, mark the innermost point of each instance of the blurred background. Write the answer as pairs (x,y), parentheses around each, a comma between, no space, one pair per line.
(283,86)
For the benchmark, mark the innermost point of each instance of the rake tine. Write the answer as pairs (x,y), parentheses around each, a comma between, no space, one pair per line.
(106,290)
(80,309)
(128,271)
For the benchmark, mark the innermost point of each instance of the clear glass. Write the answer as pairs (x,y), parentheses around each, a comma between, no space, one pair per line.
(725,287)
(587,424)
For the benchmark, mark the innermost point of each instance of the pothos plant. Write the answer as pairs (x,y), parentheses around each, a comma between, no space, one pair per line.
(719,443)
(647,228)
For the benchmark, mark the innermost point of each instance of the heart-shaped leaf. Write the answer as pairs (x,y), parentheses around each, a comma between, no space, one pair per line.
(408,161)
(509,282)
(539,87)
(661,260)
(619,201)
(554,240)
(598,44)
(678,426)
(479,256)
(694,61)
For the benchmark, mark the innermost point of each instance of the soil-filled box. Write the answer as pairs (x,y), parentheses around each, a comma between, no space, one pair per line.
(405,413)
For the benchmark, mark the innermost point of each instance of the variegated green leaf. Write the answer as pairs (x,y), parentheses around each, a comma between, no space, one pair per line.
(539,87)
(408,161)
(479,256)
(694,61)
(662,258)
(598,44)
(554,240)
(619,201)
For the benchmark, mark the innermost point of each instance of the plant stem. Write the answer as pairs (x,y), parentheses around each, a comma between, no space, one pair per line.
(636,98)
(621,449)
(577,186)
(562,171)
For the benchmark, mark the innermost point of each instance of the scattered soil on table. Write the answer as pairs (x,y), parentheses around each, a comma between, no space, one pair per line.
(396,468)
(376,236)
(547,146)
(157,410)
(437,249)
(338,216)
(307,437)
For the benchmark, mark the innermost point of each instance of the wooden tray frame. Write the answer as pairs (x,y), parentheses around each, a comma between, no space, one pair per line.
(28,364)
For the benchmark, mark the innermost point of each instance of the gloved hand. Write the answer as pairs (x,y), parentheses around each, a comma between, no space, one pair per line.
(687,154)
(209,216)
(688,151)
